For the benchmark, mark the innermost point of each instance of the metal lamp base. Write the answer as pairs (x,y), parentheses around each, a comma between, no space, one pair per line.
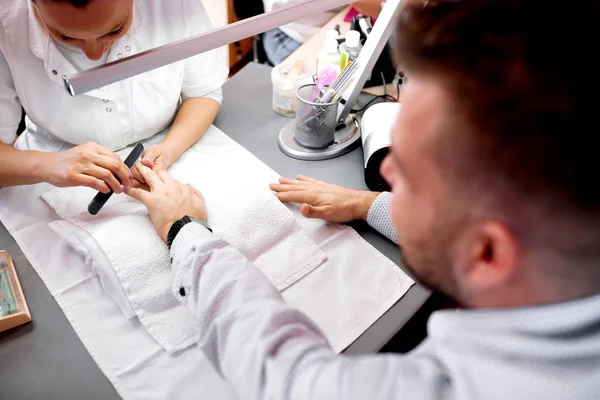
(346,140)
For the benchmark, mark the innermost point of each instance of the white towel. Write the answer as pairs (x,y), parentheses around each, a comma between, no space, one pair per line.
(85,244)
(124,233)
(256,222)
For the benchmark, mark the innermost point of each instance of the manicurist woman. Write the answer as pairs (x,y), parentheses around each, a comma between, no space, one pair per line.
(70,141)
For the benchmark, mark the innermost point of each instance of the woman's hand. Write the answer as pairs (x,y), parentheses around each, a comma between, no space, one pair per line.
(88,165)
(155,157)
(325,201)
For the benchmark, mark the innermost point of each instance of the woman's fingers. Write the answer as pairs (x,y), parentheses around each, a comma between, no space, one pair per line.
(117,168)
(91,182)
(104,175)
(104,151)
(150,156)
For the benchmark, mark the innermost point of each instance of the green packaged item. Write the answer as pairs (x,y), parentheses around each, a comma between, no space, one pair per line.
(8,305)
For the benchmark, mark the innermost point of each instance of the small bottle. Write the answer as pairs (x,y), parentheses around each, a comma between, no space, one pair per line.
(350,49)
(329,55)
(331,34)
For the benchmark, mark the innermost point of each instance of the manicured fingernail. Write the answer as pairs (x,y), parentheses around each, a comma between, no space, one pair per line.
(130,174)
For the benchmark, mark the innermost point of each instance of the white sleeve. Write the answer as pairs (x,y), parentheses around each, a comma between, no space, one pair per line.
(205,73)
(265,349)
(10,106)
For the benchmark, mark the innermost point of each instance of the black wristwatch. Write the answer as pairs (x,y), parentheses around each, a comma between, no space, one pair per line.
(177,225)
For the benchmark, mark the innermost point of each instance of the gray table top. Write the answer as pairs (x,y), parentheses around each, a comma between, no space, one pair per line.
(46,360)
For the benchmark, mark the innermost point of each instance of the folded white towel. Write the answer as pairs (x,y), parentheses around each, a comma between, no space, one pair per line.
(85,244)
(255,222)
(135,253)
(267,233)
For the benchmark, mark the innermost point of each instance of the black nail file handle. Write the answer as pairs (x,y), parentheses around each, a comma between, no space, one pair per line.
(101,198)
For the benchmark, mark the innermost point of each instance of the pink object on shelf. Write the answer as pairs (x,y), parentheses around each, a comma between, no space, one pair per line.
(353,13)
(326,77)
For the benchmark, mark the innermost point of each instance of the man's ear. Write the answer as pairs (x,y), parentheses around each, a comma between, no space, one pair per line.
(486,257)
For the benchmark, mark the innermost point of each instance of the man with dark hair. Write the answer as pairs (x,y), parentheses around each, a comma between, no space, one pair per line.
(494,202)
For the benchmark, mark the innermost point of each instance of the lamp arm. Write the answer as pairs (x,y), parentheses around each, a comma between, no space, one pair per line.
(146,61)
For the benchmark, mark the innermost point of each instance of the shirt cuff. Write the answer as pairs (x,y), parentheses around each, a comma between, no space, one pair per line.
(379,216)
(184,257)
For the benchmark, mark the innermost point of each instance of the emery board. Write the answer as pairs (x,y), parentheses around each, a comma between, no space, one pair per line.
(101,198)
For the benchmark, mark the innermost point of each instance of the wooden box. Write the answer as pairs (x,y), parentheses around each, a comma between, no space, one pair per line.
(22,315)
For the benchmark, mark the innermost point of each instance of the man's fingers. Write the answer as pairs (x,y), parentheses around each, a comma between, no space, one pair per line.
(139,185)
(278,187)
(296,197)
(307,179)
(287,181)
(310,211)
(164,175)
(136,175)
(151,178)
(138,194)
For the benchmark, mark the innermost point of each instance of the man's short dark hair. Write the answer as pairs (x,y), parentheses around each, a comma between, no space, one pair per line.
(523,80)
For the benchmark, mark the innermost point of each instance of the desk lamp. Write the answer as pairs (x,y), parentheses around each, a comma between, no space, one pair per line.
(346,139)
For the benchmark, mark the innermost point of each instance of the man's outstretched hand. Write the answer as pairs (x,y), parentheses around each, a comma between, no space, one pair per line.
(323,200)
(167,200)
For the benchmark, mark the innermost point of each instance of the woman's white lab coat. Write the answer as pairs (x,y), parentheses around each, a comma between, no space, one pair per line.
(31,71)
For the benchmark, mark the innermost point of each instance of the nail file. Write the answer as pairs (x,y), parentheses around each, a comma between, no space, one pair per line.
(101,198)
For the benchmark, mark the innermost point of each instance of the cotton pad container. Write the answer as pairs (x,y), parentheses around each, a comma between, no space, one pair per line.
(286,78)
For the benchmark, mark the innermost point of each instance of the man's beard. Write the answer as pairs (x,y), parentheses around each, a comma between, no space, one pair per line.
(435,274)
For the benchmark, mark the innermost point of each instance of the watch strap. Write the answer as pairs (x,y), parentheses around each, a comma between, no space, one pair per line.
(175,228)
(177,225)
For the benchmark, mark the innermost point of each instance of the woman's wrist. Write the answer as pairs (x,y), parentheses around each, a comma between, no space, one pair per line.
(170,152)
(40,166)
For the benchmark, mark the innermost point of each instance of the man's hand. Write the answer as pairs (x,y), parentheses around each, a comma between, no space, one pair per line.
(156,157)
(325,201)
(88,165)
(168,200)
